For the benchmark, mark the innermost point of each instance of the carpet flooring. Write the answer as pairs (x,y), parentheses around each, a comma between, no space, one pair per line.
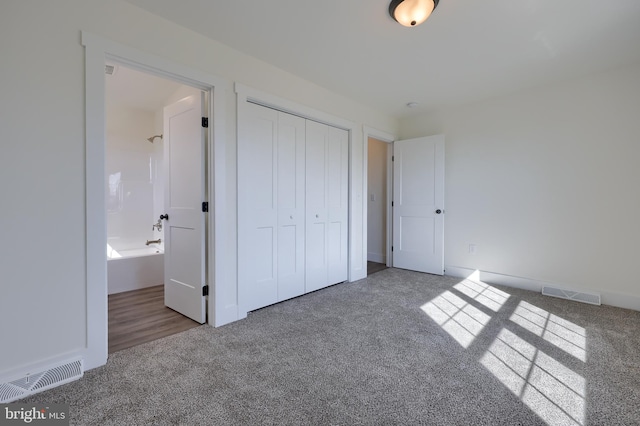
(397,348)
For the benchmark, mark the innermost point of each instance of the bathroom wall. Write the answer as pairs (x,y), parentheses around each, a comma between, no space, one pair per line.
(131,170)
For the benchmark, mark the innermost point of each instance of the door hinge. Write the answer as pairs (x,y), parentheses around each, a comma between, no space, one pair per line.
(393,158)
(205,290)
(391,248)
(205,206)
(205,122)
(392,204)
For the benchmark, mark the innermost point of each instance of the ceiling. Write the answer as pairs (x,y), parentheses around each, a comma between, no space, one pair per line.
(467,51)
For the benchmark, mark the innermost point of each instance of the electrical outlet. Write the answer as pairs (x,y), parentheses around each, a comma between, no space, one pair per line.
(372,197)
(473,249)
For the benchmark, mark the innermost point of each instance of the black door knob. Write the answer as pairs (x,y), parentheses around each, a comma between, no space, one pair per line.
(438,211)
(164,216)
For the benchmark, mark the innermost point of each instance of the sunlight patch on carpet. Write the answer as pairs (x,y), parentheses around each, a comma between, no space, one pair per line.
(561,333)
(458,318)
(549,388)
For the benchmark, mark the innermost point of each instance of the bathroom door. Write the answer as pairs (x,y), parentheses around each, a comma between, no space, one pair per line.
(184,230)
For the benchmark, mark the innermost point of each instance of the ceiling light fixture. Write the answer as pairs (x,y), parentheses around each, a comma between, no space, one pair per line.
(411,13)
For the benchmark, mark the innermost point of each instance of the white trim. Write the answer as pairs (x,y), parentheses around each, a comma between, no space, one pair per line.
(369,132)
(618,300)
(249,94)
(97,51)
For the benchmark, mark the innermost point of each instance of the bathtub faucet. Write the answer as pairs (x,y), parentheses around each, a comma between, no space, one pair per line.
(158,241)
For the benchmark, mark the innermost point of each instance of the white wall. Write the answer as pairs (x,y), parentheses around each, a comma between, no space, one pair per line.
(545,182)
(130,174)
(43,306)
(377,208)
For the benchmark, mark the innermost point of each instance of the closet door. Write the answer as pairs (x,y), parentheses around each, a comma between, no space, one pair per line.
(317,181)
(291,205)
(326,205)
(257,207)
(338,199)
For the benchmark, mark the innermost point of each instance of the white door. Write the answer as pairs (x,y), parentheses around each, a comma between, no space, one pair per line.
(271,155)
(317,141)
(291,205)
(257,207)
(184,229)
(326,205)
(418,204)
(338,199)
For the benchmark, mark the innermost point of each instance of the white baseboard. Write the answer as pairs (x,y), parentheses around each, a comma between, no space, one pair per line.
(377,257)
(618,300)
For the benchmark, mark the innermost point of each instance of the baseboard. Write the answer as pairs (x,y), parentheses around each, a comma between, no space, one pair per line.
(618,300)
(376,257)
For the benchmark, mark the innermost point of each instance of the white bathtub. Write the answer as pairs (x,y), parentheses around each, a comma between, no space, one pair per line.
(133,269)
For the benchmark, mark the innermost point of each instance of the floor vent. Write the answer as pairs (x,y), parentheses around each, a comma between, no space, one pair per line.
(578,296)
(37,382)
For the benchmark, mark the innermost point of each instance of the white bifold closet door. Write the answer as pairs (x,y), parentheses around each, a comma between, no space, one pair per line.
(326,205)
(271,156)
(292,206)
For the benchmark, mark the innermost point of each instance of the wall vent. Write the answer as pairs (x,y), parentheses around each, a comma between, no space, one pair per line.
(578,296)
(37,382)
(110,69)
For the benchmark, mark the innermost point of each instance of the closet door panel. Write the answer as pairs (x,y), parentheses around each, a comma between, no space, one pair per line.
(338,209)
(257,207)
(316,168)
(291,205)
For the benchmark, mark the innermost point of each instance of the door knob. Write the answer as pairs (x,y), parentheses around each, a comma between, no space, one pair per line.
(164,216)
(438,211)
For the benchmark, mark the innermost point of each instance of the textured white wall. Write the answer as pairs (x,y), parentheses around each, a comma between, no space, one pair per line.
(545,182)
(42,168)
(377,208)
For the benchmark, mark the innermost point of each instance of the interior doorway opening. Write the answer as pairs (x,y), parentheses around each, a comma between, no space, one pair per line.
(379,155)
(135,176)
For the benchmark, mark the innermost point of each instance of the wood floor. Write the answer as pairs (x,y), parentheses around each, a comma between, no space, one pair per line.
(139,316)
(373,267)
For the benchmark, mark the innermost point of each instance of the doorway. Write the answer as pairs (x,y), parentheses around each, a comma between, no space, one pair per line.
(378,201)
(136,178)
(222,309)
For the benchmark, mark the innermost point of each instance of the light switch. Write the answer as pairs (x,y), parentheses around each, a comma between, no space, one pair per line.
(372,197)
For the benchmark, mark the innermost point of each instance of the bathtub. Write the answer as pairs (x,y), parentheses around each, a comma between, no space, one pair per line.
(133,269)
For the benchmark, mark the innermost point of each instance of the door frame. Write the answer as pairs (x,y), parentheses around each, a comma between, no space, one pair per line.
(369,132)
(97,51)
